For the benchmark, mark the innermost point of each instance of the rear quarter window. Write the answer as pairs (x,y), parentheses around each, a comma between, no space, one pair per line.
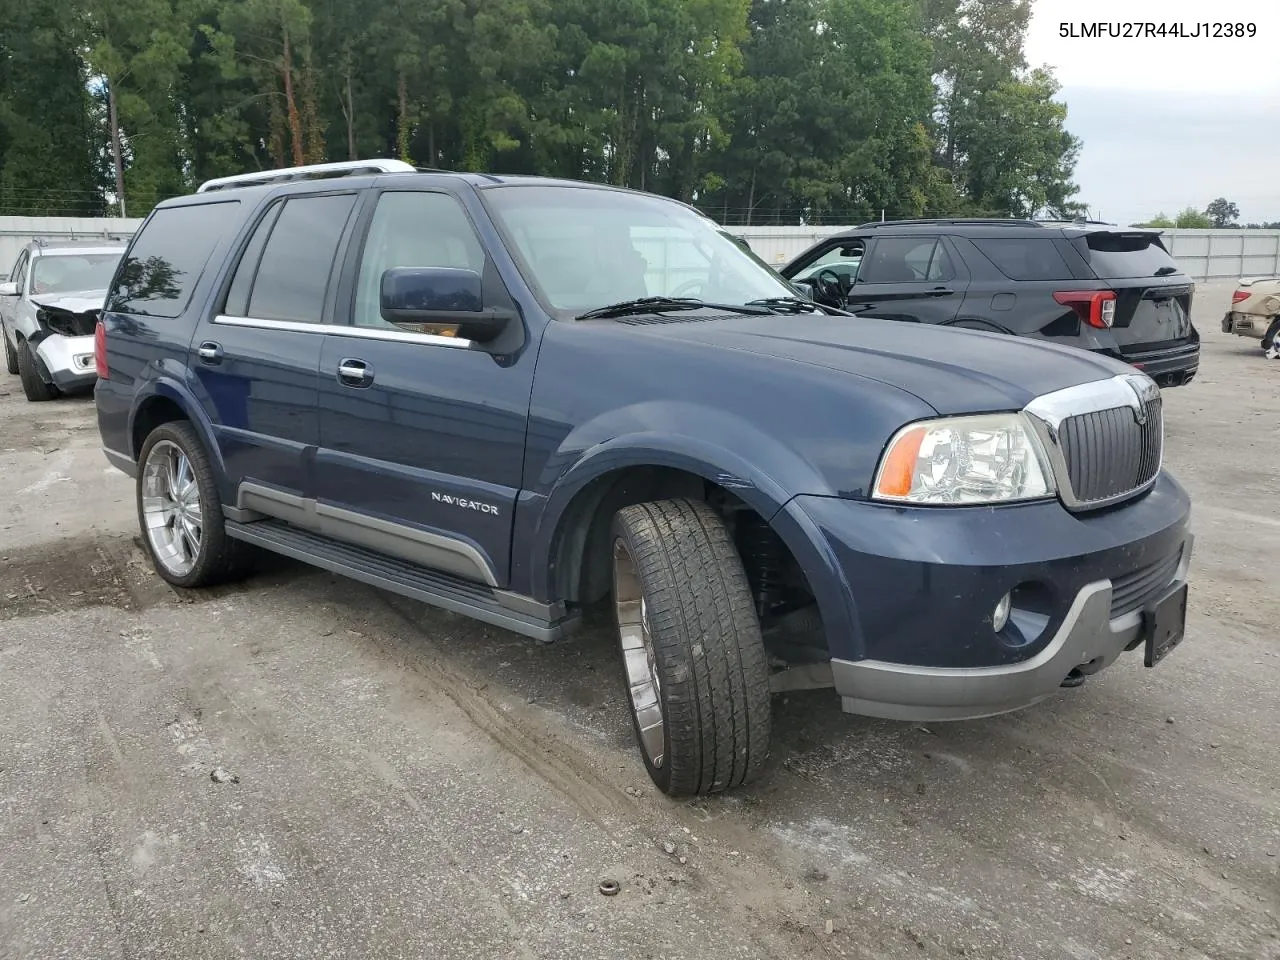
(1025,259)
(168,256)
(1114,256)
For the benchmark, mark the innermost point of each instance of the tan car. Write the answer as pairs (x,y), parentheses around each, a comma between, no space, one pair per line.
(1255,310)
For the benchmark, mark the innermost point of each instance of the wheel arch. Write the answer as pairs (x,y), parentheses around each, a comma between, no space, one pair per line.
(572,536)
(164,401)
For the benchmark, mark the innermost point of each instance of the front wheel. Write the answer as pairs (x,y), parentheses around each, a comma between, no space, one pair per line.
(694,661)
(180,512)
(33,385)
(10,355)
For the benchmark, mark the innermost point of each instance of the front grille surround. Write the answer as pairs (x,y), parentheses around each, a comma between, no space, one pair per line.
(1104,439)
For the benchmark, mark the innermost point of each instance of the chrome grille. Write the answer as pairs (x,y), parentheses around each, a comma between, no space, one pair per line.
(1133,591)
(1107,453)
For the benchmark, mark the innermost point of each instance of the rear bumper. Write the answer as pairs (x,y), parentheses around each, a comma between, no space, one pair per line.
(1170,367)
(1245,324)
(68,361)
(1088,639)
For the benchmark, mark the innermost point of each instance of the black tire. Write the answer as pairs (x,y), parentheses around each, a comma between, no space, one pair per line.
(704,642)
(1269,337)
(33,385)
(218,557)
(10,356)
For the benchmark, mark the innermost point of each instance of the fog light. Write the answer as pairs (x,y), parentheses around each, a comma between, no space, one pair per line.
(1000,616)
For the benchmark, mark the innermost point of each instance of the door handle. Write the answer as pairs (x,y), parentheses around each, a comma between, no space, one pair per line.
(355,373)
(210,352)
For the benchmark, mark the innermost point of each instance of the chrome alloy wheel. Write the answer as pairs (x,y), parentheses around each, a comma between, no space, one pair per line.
(637,654)
(171,508)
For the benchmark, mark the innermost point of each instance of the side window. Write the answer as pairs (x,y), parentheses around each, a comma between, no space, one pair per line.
(844,260)
(413,229)
(167,257)
(1025,259)
(906,260)
(242,283)
(296,266)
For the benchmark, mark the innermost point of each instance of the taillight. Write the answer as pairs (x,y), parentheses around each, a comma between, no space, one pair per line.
(100,351)
(1097,308)
(1239,296)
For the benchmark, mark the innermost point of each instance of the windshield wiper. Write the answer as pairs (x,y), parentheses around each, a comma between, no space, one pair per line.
(1165,271)
(665,304)
(785,304)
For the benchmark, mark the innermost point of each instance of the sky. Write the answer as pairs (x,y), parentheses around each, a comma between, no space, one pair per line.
(1168,122)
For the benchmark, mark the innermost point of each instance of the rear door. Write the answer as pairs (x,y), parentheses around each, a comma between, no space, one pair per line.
(1153,295)
(257,360)
(912,278)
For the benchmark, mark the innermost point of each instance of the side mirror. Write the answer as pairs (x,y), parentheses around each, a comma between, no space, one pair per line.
(8,289)
(440,295)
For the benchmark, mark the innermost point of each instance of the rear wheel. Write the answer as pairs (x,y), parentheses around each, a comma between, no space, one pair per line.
(1269,346)
(33,385)
(180,512)
(693,658)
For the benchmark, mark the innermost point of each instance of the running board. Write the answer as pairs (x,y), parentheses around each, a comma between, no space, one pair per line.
(499,608)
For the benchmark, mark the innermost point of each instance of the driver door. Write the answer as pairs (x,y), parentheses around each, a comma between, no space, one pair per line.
(913,278)
(421,432)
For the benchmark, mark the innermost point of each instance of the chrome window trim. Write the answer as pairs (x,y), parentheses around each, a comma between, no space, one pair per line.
(1048,411)
(342,330)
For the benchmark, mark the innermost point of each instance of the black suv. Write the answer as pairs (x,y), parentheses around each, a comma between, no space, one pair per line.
(1099,287)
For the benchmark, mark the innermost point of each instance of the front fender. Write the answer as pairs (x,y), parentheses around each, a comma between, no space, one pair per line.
(757,468)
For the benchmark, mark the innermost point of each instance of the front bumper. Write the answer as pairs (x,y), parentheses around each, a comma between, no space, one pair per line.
(68,361)
(1088,639)
(907,594)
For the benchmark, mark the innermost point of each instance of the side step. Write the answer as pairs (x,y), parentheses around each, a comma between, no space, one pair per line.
(407,579)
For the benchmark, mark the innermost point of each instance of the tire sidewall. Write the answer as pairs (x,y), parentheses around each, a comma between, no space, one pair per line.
(10,355)
(1270,335)
(183,435)
(661,776)
(33,385)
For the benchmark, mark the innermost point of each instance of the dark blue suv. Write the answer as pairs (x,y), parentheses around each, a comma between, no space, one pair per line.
(516,397)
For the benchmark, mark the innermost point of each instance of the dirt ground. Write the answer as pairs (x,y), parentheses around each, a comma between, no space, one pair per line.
(401,782)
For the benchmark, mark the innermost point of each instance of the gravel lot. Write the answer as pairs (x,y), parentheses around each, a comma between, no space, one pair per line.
(401,782)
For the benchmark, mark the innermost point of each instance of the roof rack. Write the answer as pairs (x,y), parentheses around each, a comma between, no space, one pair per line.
(312,171)
(954,221)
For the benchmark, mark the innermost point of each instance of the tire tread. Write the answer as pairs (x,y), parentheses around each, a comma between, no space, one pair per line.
(712,665)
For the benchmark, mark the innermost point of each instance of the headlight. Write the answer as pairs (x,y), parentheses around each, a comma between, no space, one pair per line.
(993,458)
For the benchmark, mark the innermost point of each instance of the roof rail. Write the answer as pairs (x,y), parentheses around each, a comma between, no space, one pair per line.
(954,221)
(311,171)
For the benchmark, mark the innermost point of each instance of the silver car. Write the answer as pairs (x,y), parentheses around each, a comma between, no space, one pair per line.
(48,311)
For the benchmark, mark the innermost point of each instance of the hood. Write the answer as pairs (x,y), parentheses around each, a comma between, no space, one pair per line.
(78,301)
(954,371)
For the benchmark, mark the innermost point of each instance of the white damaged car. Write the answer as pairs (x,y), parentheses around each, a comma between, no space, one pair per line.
(48,311)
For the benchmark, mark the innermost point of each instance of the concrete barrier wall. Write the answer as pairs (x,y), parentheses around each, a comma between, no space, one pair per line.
(1203,254)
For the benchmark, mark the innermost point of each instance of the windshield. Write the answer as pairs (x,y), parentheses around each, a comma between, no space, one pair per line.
(583,248)
(72,273)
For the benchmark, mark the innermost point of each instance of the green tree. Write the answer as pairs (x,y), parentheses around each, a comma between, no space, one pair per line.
(49,159)
(1159,220)
(1223,212)
(1192,218)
